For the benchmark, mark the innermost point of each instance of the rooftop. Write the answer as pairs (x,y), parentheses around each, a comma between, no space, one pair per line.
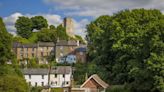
(54,70)
(45,44)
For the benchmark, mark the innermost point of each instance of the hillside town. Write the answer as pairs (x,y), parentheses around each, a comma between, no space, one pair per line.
(65,52)
(82,46)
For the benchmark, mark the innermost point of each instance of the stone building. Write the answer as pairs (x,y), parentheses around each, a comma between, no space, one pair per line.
(69,25)
(65,51)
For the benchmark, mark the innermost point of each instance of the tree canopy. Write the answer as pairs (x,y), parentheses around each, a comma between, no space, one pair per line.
(12,80)
(129,47)
(24,26)
(5,44)
(39,22)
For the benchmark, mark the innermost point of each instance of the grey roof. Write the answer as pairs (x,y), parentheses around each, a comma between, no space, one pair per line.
(81,49)
(35,71)
(61,70)
(65,43)
(17,44)
(45,44)
(54,70)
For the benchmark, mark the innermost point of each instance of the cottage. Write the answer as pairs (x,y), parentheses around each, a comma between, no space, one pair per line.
(57,77)
(94,84)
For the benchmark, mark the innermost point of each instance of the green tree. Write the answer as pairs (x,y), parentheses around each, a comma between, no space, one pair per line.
(24,27)
(61,33)
(39,22)
(5,44)
(80,39)
(52,27)
(12,80)
(47,35)
(129,46)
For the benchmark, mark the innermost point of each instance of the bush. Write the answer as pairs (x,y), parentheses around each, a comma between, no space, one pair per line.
(57,90)
(36,89)
(117,88)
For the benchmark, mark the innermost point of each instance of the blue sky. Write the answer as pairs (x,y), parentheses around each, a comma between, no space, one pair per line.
(82,11)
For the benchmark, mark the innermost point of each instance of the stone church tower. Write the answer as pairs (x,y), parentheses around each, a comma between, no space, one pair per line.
(68,24)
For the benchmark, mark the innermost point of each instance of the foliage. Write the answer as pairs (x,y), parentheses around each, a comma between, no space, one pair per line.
(39,22)
(129,48)
(57,90)
(79,73)
(117,88)
(52,27)
(36,89)
(11,80)
(61,33)
(47,35)
(32,63)
(81,40)
(24,27)
(5,44)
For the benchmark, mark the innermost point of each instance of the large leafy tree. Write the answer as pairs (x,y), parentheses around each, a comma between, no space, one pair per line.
(24,27)
(129,45)
(39,22)
(5,44)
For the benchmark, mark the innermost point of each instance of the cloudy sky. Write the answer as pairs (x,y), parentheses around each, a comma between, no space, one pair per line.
(82,11)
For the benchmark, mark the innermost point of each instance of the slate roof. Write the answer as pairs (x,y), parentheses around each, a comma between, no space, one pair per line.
(61,70)
(97,79)
(45,44)
(35,71)
(54,70)
(81,49)
(17,44)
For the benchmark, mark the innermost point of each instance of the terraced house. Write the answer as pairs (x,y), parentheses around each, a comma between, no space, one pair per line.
(65,51)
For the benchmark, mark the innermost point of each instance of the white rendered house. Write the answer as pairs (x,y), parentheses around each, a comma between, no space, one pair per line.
(60,76)
(36,77)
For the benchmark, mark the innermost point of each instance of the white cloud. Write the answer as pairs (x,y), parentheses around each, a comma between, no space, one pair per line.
(10,21)
(51,18)
(100,7)
(80,27)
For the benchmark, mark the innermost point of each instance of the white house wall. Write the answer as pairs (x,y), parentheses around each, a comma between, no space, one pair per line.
(60,80)
(37,79)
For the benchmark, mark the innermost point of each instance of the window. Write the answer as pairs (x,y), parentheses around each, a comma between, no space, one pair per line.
(55,82)
(29,76)
(42,54)
(32,54)
(55,75)
(42,83)
(42,76)
(63,75)
(35,84)
(21,50)
(67,82)
(21,56)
